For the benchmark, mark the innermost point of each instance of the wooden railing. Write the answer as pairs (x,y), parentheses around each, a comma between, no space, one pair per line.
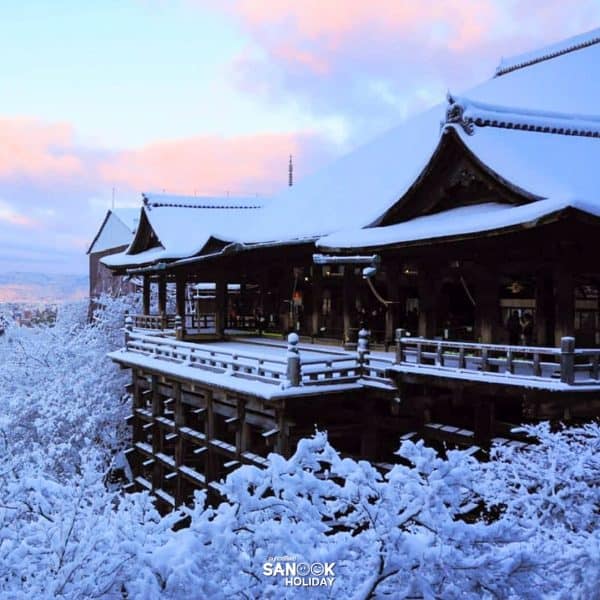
(154,321)
(287,368)
(565,364)
(193,321)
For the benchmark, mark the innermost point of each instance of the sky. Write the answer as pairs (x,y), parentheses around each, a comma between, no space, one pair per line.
(207,97)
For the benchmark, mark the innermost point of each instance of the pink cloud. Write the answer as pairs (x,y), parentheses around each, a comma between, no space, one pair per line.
(373,62)
(247,164)
(33,148)
(465,21)
(11,216)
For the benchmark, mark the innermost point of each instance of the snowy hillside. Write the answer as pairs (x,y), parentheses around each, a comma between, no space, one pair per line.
(40,287)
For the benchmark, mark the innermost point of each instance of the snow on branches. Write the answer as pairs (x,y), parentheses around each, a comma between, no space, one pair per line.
(522,525)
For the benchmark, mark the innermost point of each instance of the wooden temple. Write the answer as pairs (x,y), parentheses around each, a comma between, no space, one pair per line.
(439,282)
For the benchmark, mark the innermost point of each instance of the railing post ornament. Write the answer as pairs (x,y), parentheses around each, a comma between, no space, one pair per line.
(400,333)
(362,350)
(178,327)
(293,360)
(128,328)
(567,360)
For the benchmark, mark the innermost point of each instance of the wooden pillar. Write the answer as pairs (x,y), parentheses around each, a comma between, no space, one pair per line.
(368,435)
(283,438)
(211,459)
(242,432)
(138,402)
(156,433)
(220,306)
(180,296)
(564,297)
(487,305)
(544,313)
(392,319)
(162,295)
(286,283)
(348,299)
(484,422)
(427,302)
(179,418)
(146,294)
(317,298)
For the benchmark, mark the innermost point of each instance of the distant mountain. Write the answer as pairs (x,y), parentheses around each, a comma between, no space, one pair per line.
(42,287)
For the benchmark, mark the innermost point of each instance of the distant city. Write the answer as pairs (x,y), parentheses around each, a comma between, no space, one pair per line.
(40,289)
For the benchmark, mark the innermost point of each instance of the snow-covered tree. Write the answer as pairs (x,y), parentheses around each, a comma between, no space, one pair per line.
(522,525)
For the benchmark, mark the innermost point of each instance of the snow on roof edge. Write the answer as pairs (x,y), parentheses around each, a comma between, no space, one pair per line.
(469,113)
(468,220)
(526,59)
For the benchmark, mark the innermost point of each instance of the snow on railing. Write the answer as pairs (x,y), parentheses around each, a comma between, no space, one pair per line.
(565,364)
(290,369)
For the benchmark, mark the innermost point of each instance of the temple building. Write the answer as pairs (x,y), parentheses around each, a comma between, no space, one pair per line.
(113,236)
(453,259)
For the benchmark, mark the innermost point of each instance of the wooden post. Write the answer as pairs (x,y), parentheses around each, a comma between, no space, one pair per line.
(293,360)
(146,295)
(400,333)
(567,360)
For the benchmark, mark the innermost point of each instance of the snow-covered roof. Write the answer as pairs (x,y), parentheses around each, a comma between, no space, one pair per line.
(184,225)
(117,229)
(355,191)
(455,222)
(534,127)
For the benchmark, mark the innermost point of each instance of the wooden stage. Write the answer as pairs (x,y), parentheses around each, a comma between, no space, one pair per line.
(200,410)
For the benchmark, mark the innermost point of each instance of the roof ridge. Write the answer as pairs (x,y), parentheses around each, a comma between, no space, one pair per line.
(470,114)
(231,206)
(571,44)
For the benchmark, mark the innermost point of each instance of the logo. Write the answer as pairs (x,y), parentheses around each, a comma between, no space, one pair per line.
(297,573)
